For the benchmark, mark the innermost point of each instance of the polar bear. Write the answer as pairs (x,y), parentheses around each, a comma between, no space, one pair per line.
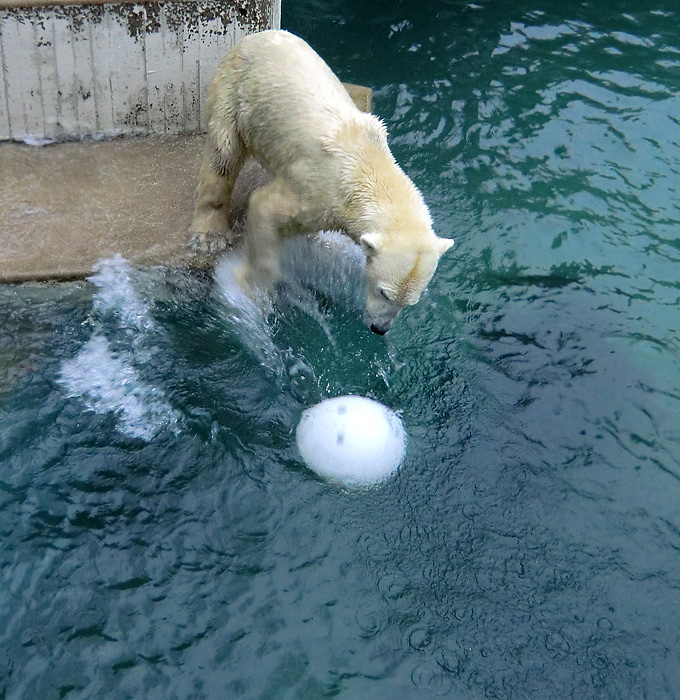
(275,99)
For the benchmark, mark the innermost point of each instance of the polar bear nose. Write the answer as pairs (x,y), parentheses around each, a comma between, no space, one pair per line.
(380,330)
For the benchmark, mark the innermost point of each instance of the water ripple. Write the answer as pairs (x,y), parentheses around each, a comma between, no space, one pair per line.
(528,546)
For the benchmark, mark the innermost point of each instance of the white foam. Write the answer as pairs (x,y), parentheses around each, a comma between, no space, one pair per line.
(114,278)
(109,383)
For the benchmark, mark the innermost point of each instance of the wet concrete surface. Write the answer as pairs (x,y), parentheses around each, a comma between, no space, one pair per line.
(64,206)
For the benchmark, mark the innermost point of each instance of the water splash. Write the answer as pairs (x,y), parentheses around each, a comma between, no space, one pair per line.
(109,383)
(108,380)
(250,316)
(327,264)
(117,294)
(110,373)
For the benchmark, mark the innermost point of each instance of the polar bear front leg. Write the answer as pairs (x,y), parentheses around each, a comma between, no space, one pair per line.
(210,231)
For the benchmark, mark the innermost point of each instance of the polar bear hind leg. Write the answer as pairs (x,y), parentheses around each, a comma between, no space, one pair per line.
(275,212)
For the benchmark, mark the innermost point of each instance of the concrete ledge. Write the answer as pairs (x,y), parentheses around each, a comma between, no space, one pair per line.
(65,206)
(68,205)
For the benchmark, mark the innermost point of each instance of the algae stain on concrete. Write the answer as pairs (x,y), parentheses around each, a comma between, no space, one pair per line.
(79,70)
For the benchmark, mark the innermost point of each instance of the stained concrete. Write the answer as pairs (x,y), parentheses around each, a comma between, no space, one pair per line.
(74,68)
(65,206)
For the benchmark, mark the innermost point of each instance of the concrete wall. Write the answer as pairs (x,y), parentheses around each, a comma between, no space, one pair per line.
(94,68)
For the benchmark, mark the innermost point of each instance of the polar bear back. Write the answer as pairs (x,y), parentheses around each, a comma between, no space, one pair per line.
(282,97)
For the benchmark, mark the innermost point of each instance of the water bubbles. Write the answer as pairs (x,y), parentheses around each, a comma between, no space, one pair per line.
(371,620)
(394,588)
(431,679)
(419,638)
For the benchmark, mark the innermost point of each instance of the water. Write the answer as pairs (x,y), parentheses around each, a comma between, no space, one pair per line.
(162,539)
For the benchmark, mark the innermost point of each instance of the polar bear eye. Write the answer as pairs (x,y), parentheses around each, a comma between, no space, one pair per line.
(385,295)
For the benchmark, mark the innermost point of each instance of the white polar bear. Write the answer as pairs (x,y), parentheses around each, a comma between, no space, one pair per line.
(275,99)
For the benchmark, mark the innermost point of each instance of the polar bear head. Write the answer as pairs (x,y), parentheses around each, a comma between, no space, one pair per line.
(397,273)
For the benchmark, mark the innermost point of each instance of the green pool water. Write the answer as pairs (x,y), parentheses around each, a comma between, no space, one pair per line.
(161,537)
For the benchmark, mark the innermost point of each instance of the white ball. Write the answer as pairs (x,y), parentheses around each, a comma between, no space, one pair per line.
(352,440)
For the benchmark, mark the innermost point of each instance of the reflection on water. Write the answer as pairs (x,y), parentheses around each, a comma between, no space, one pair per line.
(161,537)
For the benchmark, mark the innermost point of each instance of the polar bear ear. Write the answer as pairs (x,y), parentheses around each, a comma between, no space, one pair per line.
(444,244)
(370,244)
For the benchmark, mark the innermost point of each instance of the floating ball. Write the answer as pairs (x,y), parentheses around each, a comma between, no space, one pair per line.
(352,440)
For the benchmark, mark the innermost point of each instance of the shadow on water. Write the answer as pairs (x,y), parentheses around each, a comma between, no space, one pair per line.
(160,536)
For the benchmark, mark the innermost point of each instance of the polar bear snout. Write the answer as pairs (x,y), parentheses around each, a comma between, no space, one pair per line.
(380,310)
(380,329)
(380,323)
